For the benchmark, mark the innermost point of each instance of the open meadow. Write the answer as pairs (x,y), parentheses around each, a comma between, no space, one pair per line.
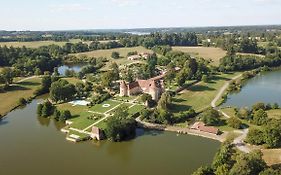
(107,54)
(36,44)
(200,95)
(208,53)
(25,89)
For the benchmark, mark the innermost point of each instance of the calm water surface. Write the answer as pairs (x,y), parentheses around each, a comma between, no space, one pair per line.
(265,87)
(75,66)
(31,146)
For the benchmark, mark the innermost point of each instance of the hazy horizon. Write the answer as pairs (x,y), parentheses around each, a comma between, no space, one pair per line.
(54,15)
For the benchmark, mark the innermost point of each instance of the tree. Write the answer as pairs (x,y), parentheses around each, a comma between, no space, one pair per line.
(120,126)
(210,117)
(47,109)
(62,91)
(107,79)
(243,113)
(255,136)
(115,55)
(22,102)
(164,101)
(7,75)
(223,158)
(270,171)
(204,171)
(146,98)
(260,117)
(39,109)
(234,123)
(64,115)
(115,71)
(272,133)
(248,164)
(258,106)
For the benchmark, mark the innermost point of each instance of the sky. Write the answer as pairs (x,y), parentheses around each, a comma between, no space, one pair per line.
(124,14)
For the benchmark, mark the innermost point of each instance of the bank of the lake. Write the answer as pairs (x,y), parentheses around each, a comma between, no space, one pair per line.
(264,87)
(36,146)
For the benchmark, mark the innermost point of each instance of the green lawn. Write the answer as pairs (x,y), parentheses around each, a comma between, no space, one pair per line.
(100,109)
(200,95)
(84,120)
(135,109)
(9,99)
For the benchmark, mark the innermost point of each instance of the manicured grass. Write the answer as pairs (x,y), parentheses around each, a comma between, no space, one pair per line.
(274,113)
(36,44)
(101,125)
(74,110)
(135,109)
(100,109)
(84,120)
(272,156)
(200,95)
(107,54)
(9,99)
(215,54)
(229,111)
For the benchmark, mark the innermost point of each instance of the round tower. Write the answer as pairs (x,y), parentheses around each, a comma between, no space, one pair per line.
(154,91)
(123,89)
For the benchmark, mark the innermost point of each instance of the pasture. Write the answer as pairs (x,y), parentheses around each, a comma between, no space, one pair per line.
(107,54)
(208,53)
(25,89)
(36,44)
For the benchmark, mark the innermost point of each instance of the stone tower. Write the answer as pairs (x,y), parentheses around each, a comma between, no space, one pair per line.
(123,88)
(154,91)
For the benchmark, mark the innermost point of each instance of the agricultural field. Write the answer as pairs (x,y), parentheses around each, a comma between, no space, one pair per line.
(107,54)
(36,44)
(23,89)
(200,95)
(208,53)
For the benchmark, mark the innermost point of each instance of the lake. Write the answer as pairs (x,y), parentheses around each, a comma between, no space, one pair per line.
(32,145)
(75,66)
(265,87)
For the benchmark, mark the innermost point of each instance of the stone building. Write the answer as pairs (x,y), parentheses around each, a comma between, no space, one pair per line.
(153,86)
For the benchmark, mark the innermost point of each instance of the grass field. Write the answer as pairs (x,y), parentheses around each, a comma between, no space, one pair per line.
(200,95)
(107,54)
(36,44)
(272,156)
(208,53)
(100,109)
(9,99)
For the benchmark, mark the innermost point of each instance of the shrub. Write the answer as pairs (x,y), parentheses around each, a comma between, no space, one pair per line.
(22,102)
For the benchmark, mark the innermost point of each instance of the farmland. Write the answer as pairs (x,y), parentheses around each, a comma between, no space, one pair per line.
(107,54)
(208,53)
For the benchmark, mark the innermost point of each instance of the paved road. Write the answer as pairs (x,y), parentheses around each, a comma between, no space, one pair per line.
(239,141)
